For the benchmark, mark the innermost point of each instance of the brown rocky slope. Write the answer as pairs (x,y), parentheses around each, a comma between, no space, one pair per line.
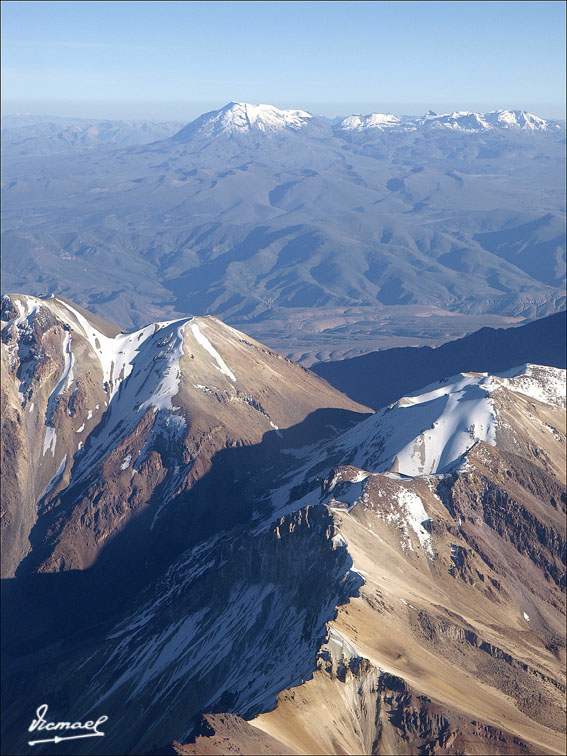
(221,538)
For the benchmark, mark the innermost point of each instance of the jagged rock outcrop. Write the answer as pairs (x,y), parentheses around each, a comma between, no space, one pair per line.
(229,733)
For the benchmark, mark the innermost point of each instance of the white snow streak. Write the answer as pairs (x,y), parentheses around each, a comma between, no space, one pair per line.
(206,344)
(50,440)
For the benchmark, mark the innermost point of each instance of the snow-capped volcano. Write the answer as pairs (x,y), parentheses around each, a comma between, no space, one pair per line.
(243,118)
(359,122)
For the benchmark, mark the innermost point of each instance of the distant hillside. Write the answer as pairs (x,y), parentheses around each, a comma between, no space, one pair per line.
(379,378)
(285,226)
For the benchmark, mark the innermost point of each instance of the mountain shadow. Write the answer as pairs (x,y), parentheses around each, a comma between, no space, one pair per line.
(380,378)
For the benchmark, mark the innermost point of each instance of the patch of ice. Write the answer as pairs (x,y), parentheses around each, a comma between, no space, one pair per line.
(126,462)
(276,428)
(358,572)
(26,307)
(340,647)
(416,515)
(55,479)
(115,355)
(338,540)
(206,389)
(67,374)
(50,440)
(169,386)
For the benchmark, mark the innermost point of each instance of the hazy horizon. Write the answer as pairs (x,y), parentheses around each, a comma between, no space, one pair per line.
(176,60)
(186,111)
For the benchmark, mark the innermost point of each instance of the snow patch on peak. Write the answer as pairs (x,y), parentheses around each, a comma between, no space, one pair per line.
(206,344)
(25,307)
(464,120)
(115,355)
(265,115)
(403,509)
(169,386)
(427,432)
(243,117)
(520,119)
(416,516)
(359,122)
(540,382)
(340,648)
(421,434)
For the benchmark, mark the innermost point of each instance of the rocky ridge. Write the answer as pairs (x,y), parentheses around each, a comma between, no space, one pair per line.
(93,414)
(455,644)
(343,587)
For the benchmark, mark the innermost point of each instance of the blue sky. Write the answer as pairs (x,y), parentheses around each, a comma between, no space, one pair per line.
(173,60)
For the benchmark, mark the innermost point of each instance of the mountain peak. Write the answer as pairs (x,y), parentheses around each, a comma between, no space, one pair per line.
(359,122)
(465,120)
(428,431)
(520,119)
(245,118)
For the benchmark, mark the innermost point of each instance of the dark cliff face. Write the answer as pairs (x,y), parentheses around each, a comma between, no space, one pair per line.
(519,502)
(229,625)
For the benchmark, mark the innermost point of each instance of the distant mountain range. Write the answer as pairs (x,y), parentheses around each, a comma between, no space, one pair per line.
(294,228)
(458,121)
(242,117)
(34,135)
